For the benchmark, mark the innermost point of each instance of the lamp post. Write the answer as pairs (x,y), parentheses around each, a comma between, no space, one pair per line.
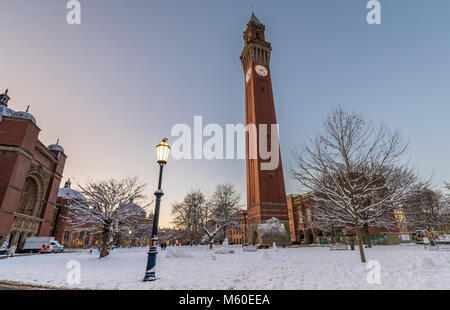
(129,239)
(162,150)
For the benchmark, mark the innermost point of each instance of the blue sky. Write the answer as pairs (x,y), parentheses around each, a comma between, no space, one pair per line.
(113,86)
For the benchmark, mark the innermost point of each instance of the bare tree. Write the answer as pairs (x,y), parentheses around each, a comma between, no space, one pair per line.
(188,213)
(219,213)
(427,209)
(107,208)
(355,168)
(322,220)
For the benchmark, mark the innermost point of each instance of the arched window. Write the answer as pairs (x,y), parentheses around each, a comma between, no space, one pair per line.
(28,200)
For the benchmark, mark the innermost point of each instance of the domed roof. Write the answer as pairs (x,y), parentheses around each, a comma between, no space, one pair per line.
(55,147)
(67,193)
(5,111)
(131,207)
(24,115)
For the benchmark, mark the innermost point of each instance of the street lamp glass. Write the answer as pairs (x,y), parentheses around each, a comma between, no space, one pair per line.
(162,150)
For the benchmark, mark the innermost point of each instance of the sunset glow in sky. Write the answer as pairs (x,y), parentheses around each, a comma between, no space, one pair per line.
(111,88)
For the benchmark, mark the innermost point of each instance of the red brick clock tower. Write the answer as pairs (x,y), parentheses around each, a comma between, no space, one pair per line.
(266,195)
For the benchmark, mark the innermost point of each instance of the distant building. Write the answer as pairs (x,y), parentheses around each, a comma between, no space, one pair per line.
(30,174)
(300,220)
(62,231)
(88,236)
(238,235)
(302,231)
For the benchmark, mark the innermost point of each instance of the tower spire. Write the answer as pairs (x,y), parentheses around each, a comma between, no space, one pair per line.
(255,19)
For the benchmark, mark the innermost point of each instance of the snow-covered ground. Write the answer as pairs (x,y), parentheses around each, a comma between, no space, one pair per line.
(402,267)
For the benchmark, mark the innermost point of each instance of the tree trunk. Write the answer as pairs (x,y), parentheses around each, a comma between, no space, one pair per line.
(211,244)
(366,232)
(105,242)
(360,244)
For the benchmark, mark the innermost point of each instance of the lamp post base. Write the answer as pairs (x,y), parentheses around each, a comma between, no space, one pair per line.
(151,262)
(149,276)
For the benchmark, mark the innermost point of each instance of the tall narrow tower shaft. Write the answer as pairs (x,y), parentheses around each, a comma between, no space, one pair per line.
(266,195)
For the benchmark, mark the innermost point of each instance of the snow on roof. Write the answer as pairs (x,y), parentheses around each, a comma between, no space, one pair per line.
(67,193)
(24,115)
(56,147)
(5,111)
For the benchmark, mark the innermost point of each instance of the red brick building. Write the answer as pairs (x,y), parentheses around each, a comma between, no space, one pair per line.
(62,232)
(300,220)
(302,231)
(239,235)
(266,196)
(30,174)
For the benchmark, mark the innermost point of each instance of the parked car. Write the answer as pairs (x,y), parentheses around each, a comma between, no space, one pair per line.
(42,245)
(54,247)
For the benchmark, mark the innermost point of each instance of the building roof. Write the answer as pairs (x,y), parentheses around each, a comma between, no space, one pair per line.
(134,208)
(4,110)
(24,115)
(56,147)
(255,19)
(67,193)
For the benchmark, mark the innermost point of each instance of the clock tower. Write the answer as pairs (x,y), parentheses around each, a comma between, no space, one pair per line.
(266,194)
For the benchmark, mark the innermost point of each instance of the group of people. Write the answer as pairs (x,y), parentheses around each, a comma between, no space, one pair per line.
(163,245)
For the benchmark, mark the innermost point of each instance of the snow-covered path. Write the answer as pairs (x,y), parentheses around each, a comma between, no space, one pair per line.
(402,267)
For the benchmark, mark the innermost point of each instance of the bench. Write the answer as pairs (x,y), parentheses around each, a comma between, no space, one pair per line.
(435,245)
(338,247)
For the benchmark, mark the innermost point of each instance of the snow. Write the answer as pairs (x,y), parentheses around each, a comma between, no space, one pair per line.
(69,194)
(402,267)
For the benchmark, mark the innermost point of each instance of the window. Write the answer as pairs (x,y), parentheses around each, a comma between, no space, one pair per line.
(86,241)
(28,200)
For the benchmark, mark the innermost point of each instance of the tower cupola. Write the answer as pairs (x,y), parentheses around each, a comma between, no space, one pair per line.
(4,98)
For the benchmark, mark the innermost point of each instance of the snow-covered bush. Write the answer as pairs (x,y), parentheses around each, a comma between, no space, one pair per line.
(224,251)
(249,248)
(176,252)
(273,230)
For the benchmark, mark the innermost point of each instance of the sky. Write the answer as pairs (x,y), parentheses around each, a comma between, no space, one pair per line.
(112,87)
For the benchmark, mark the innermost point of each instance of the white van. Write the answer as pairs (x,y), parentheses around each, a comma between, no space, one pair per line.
(42,245)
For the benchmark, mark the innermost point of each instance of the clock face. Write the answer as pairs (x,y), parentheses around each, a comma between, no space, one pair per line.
(249,74)
(261,70)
